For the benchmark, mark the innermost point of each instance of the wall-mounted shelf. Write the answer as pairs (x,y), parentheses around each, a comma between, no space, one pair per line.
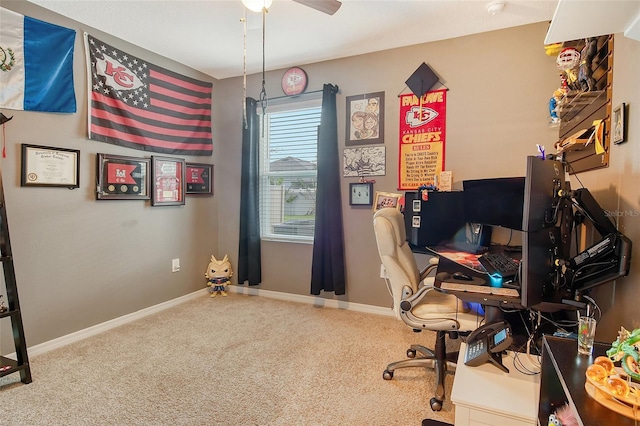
(579,101)
(581,109)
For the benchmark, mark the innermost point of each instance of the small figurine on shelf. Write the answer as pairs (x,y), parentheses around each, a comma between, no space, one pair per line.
(568,62)
(424,191)
(218,274)
(3,307)
(585,70)
(555,102)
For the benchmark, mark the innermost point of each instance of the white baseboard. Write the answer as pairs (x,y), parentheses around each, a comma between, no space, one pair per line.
(313,300)
(108,325)
(252,291)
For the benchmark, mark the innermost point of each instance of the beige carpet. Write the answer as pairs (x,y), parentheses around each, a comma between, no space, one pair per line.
(239,360)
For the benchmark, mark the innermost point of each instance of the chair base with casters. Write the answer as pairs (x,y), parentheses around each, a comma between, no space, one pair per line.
(438,360)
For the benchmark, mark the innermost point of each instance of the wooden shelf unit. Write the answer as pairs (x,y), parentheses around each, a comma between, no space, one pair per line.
(21,363)
(582,108)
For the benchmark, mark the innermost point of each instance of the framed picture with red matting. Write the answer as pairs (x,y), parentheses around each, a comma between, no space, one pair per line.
(122,178)
(199,179)
(168,181)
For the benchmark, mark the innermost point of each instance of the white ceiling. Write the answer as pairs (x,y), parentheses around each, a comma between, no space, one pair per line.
(574,20)
(208,35)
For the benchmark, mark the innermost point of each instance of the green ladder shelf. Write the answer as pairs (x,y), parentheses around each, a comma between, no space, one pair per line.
(21,364)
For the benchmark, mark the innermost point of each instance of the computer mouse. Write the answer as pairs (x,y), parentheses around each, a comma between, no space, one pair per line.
(461,276)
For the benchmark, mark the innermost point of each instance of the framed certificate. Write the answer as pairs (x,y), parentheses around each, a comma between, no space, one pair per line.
(123,178)
(199,179)
(48,166)
(168,181)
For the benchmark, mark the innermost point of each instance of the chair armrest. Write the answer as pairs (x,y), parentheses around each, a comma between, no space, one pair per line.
(426,271)
(432,266)
(409,300)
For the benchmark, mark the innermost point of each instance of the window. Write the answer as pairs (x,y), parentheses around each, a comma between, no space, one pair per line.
(288,171)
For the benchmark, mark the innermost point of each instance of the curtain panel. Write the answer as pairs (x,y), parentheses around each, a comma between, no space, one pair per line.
(249,256)
(328,265)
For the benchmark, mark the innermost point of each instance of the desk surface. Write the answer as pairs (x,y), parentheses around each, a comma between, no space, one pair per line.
(563,380)
(487,388)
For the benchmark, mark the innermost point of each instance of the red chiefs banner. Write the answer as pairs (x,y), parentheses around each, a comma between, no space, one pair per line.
(422,139)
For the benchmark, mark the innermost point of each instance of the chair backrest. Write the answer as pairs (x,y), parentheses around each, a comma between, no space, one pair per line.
(395,254)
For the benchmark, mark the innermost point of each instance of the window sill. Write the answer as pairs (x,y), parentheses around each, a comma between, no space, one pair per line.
(288,239)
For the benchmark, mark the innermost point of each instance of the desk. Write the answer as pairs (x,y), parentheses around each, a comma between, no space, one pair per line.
(563,377)
(486,395)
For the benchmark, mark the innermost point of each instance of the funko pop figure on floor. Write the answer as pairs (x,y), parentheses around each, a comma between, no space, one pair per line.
(218,275)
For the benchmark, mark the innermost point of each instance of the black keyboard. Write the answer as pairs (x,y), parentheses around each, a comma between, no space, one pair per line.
(499,263)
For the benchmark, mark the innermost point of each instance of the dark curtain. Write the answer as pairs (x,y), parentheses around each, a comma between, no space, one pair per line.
(249,266)
(328,267)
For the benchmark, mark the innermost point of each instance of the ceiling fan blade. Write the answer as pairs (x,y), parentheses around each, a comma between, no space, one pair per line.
(327,6)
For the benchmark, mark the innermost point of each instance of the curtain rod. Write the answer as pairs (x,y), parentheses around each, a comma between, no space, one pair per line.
(301,94)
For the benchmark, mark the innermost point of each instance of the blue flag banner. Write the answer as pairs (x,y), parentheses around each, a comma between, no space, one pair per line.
(139,105)
(36,64)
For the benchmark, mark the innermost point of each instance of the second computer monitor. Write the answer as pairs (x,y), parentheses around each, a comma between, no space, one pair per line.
(496,202)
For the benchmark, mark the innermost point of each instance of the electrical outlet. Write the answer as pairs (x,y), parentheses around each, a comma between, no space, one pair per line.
(175,265)
(383,272)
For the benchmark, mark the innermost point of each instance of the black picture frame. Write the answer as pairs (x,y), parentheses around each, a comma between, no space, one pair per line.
(365,119)
(120,177)
(168,181)
(361,194)
(199,179)
(47,166)
(618,125)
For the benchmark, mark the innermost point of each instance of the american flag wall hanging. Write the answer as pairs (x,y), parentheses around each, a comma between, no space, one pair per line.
(139,105)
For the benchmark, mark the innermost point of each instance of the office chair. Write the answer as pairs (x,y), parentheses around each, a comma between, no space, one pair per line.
(420,307)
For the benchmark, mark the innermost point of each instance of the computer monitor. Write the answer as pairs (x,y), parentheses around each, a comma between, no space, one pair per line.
(543,241)
(526,204)
(543,182)
(496,202)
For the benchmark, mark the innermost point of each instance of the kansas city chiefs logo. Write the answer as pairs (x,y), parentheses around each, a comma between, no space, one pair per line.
(419,116)
(117,75)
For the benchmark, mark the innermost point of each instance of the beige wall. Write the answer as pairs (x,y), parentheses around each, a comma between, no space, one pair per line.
(617,190)
(499,86)
(497,111)
(80,262)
